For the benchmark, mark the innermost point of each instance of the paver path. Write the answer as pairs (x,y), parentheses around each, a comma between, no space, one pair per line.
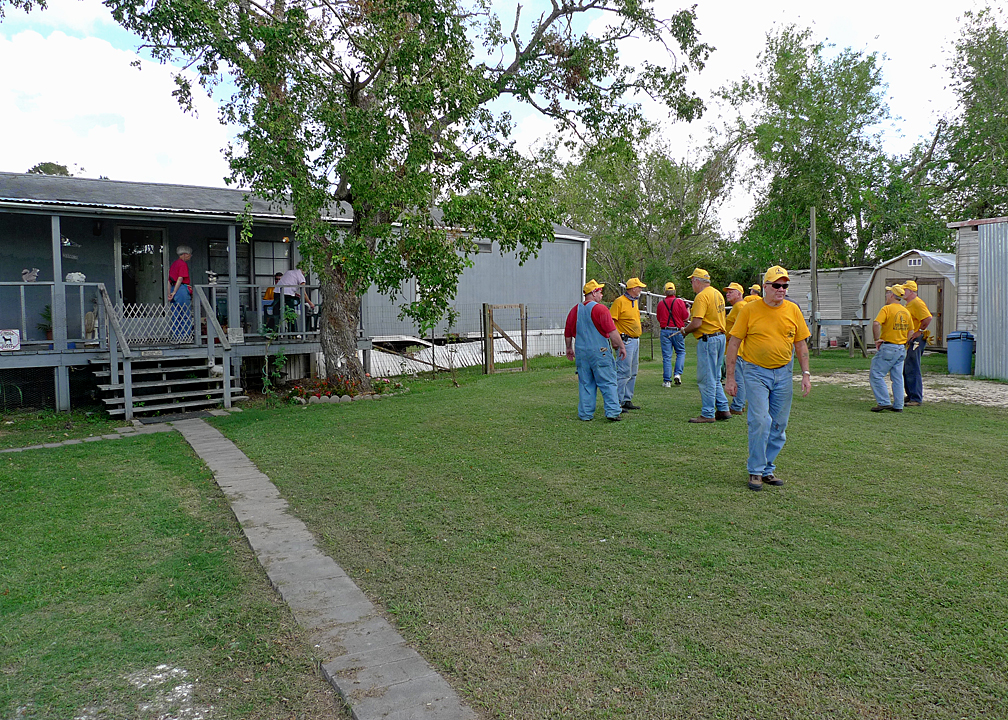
(364,657)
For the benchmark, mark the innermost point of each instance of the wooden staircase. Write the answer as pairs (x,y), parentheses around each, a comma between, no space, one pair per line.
(177,382)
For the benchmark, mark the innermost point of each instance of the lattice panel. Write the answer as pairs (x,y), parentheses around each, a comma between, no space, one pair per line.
(156,324)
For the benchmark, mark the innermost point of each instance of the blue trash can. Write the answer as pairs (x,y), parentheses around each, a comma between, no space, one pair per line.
(960,353)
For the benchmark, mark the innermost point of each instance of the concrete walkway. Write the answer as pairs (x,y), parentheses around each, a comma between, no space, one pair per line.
(363,657)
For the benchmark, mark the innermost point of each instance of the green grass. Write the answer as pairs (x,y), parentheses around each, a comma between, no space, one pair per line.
(121,556)
(553,569)
(23,428)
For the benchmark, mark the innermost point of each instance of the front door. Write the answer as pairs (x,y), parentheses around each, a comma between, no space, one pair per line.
(141,274)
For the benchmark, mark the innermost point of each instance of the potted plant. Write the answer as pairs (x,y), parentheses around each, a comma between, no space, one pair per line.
(46,324)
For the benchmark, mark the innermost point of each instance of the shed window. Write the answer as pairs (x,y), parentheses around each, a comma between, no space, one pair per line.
(914,262)
(484,247)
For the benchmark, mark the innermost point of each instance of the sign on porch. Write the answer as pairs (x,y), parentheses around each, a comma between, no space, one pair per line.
(10,340)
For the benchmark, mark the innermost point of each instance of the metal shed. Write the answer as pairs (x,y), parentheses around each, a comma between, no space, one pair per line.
(935,274)
(982,272)
(839,295)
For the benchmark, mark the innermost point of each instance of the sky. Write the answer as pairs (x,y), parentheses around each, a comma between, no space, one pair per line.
(70,94)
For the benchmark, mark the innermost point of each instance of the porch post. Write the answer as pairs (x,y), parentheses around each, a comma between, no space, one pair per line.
(59,315)
(234,312)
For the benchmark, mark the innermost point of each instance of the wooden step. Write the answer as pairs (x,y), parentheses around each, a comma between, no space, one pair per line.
(170,382)
(218,392)
(165,406)
(156,371)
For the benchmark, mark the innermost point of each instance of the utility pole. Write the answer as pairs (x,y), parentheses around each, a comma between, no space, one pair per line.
(813,276)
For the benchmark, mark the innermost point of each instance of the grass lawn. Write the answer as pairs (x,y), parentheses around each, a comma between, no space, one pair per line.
(127,591)
(552,568)
(23,428)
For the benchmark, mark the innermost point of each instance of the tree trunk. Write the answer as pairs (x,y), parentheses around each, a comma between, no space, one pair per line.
(340,319)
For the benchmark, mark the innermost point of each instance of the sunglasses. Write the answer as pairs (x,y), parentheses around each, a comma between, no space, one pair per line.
(779,286)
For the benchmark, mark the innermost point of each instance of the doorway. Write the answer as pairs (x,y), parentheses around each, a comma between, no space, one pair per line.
(140,266)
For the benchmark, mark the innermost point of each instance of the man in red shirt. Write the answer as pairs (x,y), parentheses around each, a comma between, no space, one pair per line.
(672,317)
(592,340)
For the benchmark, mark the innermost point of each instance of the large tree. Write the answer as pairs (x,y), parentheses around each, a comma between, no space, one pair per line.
(812,120)
(386,109)
(964,166)
(647,212)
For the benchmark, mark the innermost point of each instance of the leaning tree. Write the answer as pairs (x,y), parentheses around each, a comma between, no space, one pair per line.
(394,113)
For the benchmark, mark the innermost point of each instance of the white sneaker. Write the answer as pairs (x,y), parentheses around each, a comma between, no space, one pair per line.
(678,380)
(666,384)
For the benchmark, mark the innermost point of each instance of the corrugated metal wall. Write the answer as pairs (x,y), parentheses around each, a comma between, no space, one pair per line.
(992,313)
(967,266)
(839,295)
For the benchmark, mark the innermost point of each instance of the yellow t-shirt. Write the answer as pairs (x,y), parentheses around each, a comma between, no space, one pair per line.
(733,315)
(895,321)
(626,314)
(918,310)
(709,305)
(769,333)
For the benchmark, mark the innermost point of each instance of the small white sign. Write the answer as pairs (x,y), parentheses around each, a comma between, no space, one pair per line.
(10,340)
(151,353)
(236,336)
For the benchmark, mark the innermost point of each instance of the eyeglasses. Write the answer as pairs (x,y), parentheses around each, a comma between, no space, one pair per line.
(779,286)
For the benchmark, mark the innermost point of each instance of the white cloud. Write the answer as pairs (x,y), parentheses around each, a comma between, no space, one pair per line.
(79,102)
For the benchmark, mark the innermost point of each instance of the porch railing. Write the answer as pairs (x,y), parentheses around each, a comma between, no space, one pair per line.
(29,308)
(262,318)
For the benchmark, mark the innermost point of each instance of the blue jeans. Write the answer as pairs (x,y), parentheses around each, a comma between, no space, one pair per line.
(672,339)
(626,371)
(181,315)
(738,402)
(596,373)
(769,392)
(709,355)
(913,384)
(888,360)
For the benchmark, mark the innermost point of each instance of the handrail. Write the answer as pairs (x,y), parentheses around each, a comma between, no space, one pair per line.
(211,316)
(113,319)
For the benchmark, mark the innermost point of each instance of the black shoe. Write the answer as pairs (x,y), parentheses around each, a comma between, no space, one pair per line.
(628,405)
(895,409)
(722,415)
(614,419)
(880,408)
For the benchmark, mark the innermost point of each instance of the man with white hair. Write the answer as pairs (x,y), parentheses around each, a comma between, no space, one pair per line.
(920,317)
(770,334)
(708,327)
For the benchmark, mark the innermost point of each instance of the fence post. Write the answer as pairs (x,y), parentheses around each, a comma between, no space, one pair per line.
(487,340)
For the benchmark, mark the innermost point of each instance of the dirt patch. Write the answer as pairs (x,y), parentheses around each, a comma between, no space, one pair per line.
(937,388)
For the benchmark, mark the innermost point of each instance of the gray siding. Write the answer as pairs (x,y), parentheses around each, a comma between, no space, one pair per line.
(929,279)
(992,313)
(839,295)
(550,284)
(967,268)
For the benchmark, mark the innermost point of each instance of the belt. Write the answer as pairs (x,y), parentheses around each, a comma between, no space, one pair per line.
(626,337)
(710,335)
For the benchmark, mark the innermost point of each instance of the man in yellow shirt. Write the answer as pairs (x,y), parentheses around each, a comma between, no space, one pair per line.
(625,312)
(890,329)
(754,292)
(769,332)
(733,296)
(708,327)
(920,316)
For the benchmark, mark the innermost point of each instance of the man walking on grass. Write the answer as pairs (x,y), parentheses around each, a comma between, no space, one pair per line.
(733,296)
(672,317)
(708,327)
(626,314)
(890,329)
(770,333)
(920,317)
(592,340)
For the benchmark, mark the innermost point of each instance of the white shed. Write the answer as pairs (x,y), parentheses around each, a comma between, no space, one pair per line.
(935,275)
(839,291)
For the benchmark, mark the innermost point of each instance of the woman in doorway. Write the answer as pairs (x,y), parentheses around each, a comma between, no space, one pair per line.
(180,295)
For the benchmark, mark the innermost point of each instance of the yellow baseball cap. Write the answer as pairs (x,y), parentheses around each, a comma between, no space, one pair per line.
(896,290)
(670,287)
(734,286)
(910,285)
(634,283)
(592,286)
(775,273)
(757,288)
(700,274)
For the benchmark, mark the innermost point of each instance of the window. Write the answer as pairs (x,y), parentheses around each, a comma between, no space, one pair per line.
(484,247)
(270,258)
(217,259)
(915,262)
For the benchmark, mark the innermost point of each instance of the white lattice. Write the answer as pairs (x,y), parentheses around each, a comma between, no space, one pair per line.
(156,324)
